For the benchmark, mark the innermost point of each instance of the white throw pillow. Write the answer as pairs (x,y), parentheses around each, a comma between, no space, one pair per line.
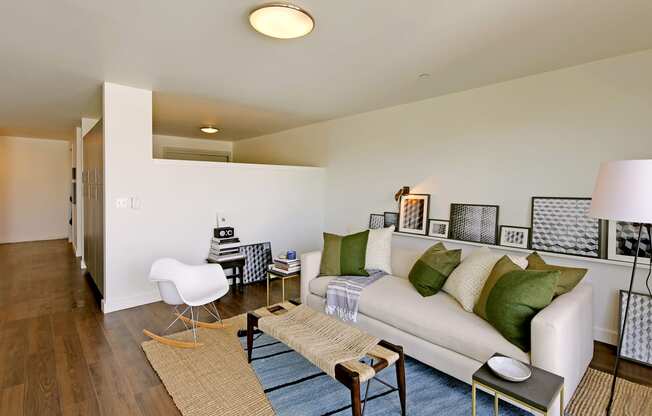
(379,250)
(465,283)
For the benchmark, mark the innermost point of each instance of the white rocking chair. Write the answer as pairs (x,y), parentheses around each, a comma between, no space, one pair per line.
(194,286)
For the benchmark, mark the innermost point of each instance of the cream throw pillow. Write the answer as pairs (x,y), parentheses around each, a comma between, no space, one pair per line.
(465,283)
(379,250)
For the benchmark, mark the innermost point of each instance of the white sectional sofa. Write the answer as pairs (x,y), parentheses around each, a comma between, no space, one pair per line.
(437,331)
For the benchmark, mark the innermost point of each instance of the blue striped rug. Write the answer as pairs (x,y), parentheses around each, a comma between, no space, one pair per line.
(295,387)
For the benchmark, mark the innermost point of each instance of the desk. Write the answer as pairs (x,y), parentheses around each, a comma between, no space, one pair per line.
(236,266)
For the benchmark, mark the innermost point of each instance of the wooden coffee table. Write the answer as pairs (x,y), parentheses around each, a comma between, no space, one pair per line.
(351,373)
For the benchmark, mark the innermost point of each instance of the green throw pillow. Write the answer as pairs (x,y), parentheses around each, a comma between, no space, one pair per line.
(570,276)
(515,299)
(503,266)
(344,255)
(429,273)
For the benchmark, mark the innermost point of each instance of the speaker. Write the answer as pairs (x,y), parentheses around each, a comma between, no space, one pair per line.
(223,232)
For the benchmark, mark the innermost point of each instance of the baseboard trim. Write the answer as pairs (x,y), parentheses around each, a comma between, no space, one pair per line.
(607,336)
(130,301)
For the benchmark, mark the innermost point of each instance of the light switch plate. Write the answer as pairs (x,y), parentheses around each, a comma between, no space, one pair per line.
(135,203)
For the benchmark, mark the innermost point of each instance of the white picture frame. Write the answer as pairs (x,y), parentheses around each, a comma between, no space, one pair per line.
(512,236)
(413,214)
(438,228)
(614,240)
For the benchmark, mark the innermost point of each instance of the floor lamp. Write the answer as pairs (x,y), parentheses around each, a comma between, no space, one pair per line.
(623,192)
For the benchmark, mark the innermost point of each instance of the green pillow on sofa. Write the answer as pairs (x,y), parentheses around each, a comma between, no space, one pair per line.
(570,276)
(503,266)
(430,272)
(344,255)
(515,298)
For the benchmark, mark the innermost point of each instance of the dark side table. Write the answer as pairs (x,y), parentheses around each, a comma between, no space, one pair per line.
(235,265)
(536,394)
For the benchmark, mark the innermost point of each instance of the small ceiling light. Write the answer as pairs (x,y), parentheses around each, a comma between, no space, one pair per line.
(209,129)
(281,20)
(424,75)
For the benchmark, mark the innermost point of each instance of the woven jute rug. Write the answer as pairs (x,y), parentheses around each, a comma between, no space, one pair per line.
(592,396)
(214,379)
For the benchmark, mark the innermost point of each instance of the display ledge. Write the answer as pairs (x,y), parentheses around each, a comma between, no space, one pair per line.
(526,251)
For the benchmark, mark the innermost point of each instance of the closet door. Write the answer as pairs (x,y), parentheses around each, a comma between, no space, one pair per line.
(94,205)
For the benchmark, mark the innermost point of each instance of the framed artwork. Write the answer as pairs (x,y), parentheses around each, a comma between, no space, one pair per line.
(391,218)
(563,225)
(637,344)
(258,258)
(622,238)
(472,222)
(413,213)
(511,236)
(438,228)
(376,221)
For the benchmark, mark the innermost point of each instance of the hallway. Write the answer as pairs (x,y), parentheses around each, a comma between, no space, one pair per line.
(60,355)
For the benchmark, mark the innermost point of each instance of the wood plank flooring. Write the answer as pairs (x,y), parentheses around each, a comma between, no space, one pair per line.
(59,355)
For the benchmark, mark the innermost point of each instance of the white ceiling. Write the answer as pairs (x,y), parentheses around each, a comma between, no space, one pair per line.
(206,65)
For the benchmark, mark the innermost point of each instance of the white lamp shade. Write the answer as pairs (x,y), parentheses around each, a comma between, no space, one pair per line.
(623,191)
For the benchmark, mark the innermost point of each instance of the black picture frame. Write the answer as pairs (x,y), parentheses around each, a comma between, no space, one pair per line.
(528,239)
(624,350)
(448,228)
(391,218)
(426,214)
(376,217)
(533,228)
(454,235)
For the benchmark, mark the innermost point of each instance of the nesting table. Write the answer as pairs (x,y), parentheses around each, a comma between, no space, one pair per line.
(278,275)
(537,394)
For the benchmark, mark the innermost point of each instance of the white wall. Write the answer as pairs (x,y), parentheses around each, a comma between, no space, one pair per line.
(34,189)
(160,141)
(180,200)
(501,144)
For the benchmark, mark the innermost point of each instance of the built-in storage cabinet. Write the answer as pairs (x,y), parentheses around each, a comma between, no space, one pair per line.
(93,193)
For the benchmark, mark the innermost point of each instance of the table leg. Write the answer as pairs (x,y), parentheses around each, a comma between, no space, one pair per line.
(250,335)
(267,288)
(496,404)
(283,288)
(473,399)
(561,401)
(356,409)
(400,379)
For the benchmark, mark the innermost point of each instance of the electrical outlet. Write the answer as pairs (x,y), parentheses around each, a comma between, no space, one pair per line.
(122,202)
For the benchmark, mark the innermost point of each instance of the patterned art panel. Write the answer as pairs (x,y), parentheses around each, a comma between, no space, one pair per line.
(477,223)
(563,225)
(626,237)
(637,342)
(413,210)
(514,237)
(391,218)
(376,221)
(259,256)
(438,228)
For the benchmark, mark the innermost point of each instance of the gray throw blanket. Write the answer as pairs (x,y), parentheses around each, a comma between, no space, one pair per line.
(343,294)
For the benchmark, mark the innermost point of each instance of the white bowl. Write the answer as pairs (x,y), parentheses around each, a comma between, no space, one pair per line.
(509,369)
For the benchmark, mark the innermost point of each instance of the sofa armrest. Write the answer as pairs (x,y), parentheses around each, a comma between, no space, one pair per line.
(562,337)
(310,263)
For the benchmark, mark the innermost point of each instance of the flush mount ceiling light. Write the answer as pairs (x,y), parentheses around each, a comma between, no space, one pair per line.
(281,20)
(209,129)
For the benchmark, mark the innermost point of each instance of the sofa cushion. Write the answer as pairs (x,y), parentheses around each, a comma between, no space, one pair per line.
(344,255)
(438,319)
(433,267)
(319,285)
(570,276)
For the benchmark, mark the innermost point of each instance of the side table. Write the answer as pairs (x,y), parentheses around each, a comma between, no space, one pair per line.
(236,265)
(536,394)
(279,275)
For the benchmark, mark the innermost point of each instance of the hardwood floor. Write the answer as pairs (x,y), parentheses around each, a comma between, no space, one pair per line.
(59,355)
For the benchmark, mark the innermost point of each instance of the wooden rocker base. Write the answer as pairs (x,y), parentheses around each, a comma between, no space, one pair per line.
(171,342)
(201,324)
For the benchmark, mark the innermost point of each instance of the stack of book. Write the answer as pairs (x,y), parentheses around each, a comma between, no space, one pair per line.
(285,266)
(224,249)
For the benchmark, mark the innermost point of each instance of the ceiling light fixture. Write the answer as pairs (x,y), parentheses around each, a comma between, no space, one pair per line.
(209,129)
(424,75)
(281,20)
